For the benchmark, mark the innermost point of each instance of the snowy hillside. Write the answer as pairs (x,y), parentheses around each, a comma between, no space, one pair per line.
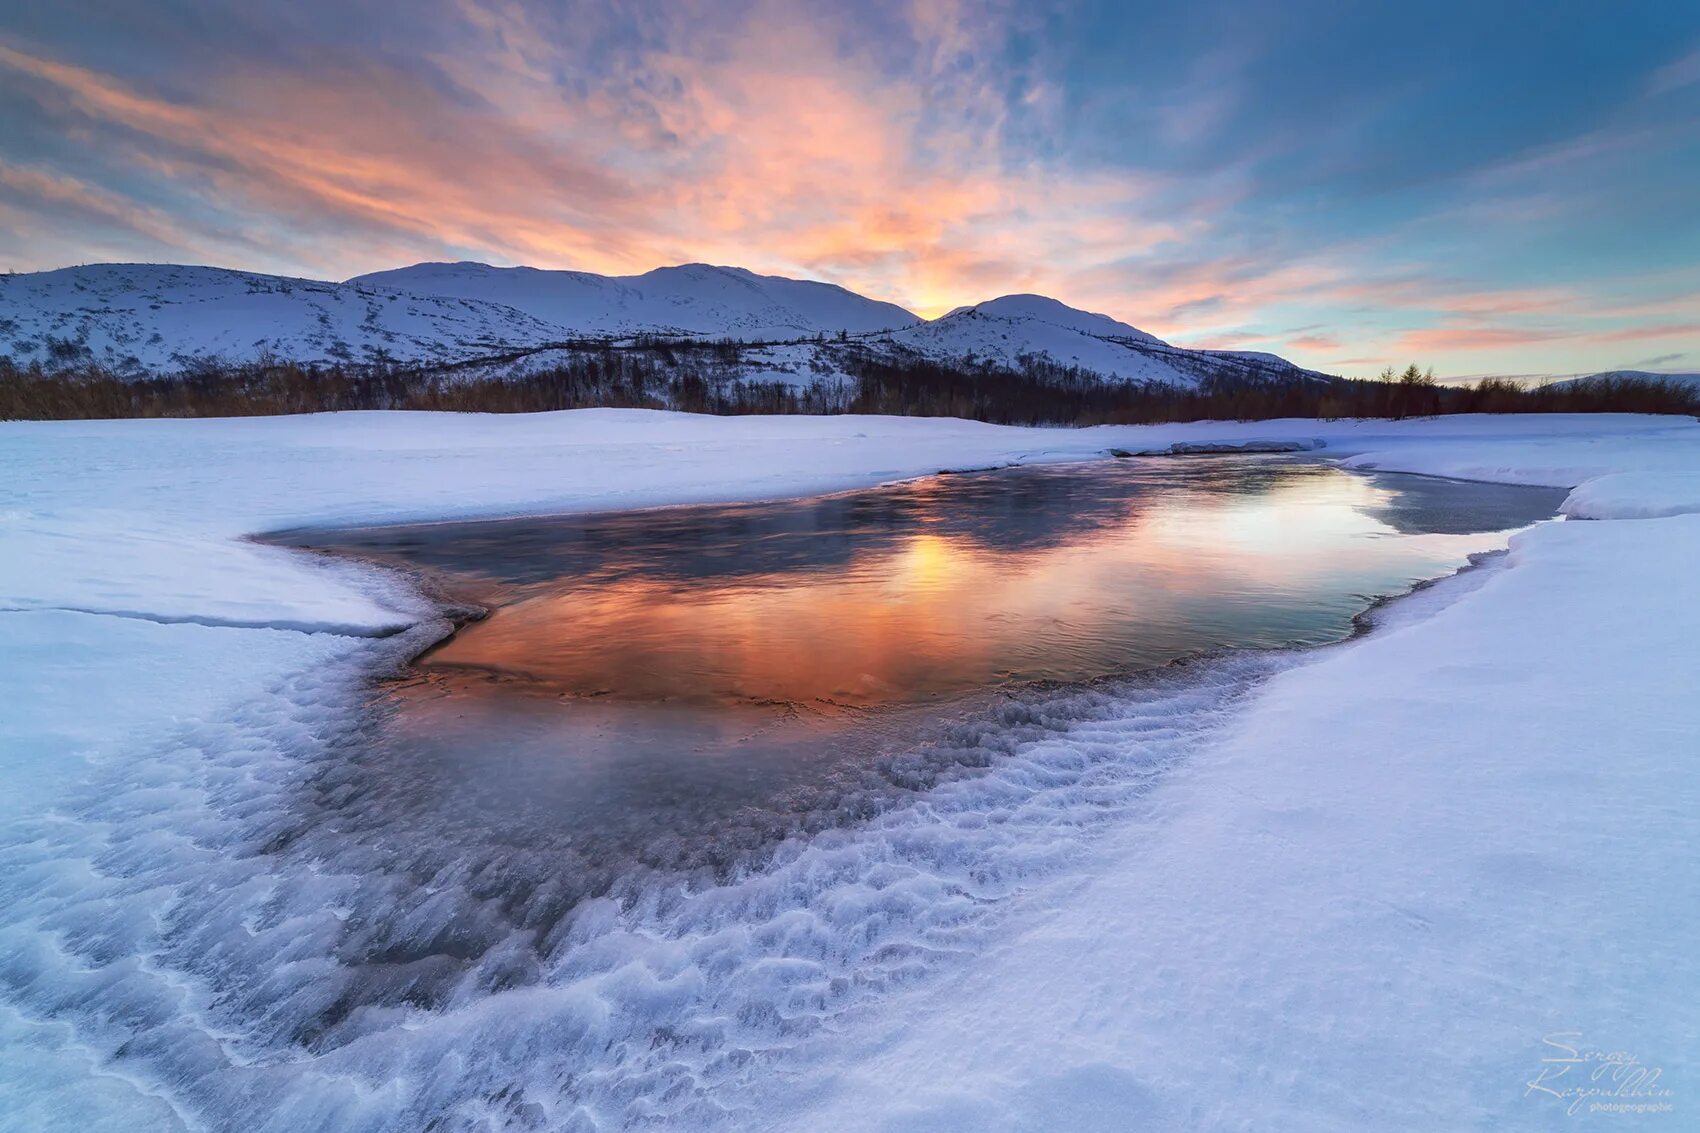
(162,317)
(692,299)
(1014,328)
(1632,375)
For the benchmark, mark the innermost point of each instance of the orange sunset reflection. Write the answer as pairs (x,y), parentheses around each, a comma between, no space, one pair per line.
(932,606)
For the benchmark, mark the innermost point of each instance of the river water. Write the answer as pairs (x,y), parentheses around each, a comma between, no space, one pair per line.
(670,688)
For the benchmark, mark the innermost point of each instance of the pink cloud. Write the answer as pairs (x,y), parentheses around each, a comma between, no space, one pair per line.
(771,146)
(1680,72)
(1458,338)
(1656,330)
(1445,339)
(786,146)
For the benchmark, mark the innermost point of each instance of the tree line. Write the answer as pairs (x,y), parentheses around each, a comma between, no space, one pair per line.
(711,380)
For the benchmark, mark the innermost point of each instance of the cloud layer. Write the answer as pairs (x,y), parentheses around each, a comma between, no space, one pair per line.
(1198,173)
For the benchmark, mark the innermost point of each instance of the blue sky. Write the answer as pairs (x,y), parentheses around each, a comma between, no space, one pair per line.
(1487,188)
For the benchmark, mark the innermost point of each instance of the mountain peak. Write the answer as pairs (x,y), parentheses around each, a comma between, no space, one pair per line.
(161,317)
(694,299)
(1042,308)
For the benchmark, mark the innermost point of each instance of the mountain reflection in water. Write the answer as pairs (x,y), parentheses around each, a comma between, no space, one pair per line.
(923,590)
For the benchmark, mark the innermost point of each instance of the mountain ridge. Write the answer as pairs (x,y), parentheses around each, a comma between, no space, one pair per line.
(1672,378)
(154,319)
(692,299)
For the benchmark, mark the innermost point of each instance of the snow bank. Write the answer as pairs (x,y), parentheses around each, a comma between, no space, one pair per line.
(1563,458)
(1635,495)
(164,576)
(1409,864)
(181,909)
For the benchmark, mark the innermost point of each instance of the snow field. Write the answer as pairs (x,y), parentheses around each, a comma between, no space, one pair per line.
(205,922)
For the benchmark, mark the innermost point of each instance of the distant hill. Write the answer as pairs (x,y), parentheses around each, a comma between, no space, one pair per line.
(160,318)
(155,319)
(1684,379)
(1009,330)
(692,299)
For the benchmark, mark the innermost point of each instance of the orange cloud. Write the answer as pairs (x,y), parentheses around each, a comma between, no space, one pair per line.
(771,147)
(91,201)
(1472,338)
(803,147)
(1450,338)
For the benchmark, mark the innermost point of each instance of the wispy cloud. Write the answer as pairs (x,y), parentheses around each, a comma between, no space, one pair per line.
(1678,73)
(771,146)
(58,193)
(1177,169)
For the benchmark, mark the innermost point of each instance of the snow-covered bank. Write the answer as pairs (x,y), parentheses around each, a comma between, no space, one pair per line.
(1414,867)
(143,517)
(1274,920)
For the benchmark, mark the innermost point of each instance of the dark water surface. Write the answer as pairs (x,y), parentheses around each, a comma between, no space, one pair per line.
(661,670)
(659,699)
(929,589)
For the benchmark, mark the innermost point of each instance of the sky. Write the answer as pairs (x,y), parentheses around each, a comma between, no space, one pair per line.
(1480,187)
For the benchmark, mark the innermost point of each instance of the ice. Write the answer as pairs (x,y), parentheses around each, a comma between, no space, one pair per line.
(1344,889)
(131,682)
(171,577)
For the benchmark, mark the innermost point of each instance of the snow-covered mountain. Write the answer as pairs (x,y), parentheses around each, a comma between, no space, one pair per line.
(1008,330)
(1636,375)
(691,299)
(1015,328)
(159,319)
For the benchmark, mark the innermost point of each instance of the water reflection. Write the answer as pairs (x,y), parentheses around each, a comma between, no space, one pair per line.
(673,693)
(930,589)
